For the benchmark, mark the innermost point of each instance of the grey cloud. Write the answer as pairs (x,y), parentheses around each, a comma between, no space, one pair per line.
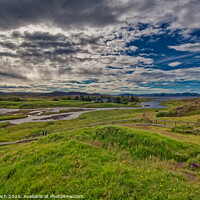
(8,87)
(44,36)
(6,54)
(158,76)
(8,45)
(146,76)
(65,70)
(65,13)
(12,75)
(77,55)
(39,46)
(64,51)
(80,14)
(90,72)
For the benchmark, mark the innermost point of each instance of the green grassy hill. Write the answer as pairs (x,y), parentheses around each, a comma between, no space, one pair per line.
(188,107)
(191,108)
(104,162)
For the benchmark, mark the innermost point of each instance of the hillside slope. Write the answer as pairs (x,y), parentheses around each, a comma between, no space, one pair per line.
(105,162)
(192,108)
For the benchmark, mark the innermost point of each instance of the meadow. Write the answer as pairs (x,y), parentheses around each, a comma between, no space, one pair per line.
(4,124)
(31,103)
(104,162)
(117,161)
(9,117)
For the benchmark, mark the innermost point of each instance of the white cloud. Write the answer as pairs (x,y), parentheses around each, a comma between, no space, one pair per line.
(82,53)
(174,64)
(192,47)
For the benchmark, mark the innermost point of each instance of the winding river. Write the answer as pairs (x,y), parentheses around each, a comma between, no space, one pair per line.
(35,114)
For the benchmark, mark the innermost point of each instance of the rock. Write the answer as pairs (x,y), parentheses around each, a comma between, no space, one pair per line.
(195,165)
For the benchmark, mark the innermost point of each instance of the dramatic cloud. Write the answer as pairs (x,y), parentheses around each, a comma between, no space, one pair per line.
(63,13)
(78,14)
(108,46)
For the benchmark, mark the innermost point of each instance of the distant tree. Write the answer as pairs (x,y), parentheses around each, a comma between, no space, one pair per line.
(136,98)
(109,99)
(82,98)
(87,98)
(117,100)
(132,98)
(124,99)
(69,98)
(76,98)
(15,99)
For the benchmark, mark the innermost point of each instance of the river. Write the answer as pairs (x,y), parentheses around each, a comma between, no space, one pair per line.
(35,114)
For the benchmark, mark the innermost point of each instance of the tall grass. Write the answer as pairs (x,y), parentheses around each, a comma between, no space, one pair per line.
(144,144)
(98,163)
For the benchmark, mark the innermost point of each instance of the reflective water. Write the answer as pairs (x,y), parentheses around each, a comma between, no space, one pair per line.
(154,103)
(35,114)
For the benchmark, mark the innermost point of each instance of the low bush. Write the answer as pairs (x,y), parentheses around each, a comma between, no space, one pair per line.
(185,129)
(165,114)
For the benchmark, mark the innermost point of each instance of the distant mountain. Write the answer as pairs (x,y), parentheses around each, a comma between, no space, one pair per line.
(186,94)
(55,93)
(20,93)
(58,93)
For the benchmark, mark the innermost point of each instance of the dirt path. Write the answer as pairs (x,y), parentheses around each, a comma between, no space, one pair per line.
(108,123)
(15,142)
(144,115)
(145,126)
(163,130)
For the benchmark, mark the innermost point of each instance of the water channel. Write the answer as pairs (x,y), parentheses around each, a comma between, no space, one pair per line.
(35,114)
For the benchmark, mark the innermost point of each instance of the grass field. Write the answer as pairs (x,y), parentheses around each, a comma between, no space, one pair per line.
(190,110)
(31,103)
(104,162)
(172,103)
(85,119)
(4,124)
(9,117)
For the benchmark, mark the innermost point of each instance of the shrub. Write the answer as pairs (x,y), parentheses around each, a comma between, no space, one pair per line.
(185,129)
(165,114)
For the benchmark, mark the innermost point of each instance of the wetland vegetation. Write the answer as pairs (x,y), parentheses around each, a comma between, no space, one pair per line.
(118,161)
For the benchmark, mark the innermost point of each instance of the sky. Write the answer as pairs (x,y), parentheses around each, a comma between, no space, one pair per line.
(104,46)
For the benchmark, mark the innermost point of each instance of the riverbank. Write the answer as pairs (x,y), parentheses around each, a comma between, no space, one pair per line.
(54,114)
